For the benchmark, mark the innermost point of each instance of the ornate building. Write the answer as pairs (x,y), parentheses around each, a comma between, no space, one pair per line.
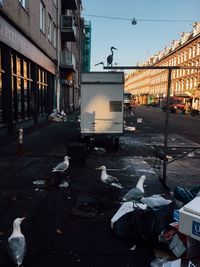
(150,86)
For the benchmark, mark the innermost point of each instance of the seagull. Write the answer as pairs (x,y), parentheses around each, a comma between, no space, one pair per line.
(62,166)
(136,193)
(17,243)
(108,179)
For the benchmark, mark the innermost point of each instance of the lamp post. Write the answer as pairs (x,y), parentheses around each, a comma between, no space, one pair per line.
(166,128)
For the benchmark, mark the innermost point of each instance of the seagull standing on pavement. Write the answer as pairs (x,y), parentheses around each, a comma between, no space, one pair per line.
(136,193)
(62,166)
(17,243)
(108,179)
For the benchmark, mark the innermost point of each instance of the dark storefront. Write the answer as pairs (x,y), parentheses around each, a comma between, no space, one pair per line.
(26,81)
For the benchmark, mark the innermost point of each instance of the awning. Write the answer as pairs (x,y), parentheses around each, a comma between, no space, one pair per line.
(197,94)
(189,94)
(183,94)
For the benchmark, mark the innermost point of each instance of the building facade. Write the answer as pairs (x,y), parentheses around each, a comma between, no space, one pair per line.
(27,67)
(86,49)
(40,60)
(70,56)
(149,86)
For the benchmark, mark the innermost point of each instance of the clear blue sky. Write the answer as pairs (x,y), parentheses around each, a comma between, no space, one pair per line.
(136,43)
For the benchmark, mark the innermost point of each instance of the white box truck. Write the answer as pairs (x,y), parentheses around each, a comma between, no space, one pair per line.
(102,103)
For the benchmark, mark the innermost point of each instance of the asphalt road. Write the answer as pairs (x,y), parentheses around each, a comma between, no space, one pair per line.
(71,226)
(184,125)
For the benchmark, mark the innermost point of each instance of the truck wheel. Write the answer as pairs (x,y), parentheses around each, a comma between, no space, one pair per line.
(116,143)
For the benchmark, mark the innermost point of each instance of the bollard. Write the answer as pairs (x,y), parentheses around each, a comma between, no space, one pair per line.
(20,144)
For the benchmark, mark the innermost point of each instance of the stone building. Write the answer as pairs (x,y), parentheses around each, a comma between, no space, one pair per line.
(40,60)
(149,86)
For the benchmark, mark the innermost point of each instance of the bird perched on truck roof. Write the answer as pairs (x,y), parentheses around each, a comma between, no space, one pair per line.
(110,57)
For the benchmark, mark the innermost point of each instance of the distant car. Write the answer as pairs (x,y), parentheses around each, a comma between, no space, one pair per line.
(174,105)
(195,112)
(127,100)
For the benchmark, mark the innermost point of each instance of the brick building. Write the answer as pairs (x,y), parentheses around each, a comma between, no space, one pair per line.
(150,86)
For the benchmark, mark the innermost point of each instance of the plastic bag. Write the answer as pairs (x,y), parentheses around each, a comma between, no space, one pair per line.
(144,226)
(183,194)
(155,201)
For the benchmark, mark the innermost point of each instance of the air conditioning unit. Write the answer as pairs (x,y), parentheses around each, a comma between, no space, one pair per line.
(66,22)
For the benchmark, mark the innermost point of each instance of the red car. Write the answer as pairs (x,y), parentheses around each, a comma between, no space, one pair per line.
(175,104)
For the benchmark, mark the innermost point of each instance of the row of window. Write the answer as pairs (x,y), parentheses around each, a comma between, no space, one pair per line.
(189,53)
(51,30)
(23,90)
(24,3)
(178,86)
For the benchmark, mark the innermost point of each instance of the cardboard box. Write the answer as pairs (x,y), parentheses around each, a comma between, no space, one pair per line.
(193,206)
(192,245)
(189,224)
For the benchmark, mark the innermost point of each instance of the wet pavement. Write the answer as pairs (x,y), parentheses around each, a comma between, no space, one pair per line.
(71,226)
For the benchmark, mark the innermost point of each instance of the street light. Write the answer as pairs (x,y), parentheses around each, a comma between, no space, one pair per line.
(134,21)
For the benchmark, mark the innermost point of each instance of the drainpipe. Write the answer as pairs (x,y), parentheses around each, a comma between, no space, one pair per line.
(57,82)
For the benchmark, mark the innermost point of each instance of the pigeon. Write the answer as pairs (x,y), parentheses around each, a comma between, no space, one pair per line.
(136,193)
(17,243)
(108,179)
(62,166)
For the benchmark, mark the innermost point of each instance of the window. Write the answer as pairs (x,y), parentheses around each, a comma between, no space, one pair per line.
(1,2)
(42,16)
(190,53)
(50,29)
(21,87)
(198,49)
(42,94)
(27,87)
(185,55)
(1,95)
(54,35)
(24,3)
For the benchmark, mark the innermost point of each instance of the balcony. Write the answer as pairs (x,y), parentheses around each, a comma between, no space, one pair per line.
(68,29)
(67,61)
(69,4)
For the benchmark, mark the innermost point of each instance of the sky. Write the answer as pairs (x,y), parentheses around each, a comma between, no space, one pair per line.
(135,43)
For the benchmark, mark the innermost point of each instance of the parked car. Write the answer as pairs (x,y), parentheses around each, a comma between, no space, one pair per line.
(195,112)
(127,100)
(175,104)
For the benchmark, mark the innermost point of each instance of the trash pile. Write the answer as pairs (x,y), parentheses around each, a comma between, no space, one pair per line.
(57,116)
(169,225)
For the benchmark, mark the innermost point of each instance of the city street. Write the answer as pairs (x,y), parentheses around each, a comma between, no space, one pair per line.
(71,226)
(83,137)
(184,125)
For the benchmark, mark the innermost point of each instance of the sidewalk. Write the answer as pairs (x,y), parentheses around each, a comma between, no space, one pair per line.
(71,226)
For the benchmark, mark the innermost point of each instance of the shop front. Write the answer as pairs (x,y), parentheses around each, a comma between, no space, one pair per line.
(26,81)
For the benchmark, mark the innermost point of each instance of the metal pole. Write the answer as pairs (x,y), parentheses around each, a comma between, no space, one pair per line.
(166,128)
(20,144)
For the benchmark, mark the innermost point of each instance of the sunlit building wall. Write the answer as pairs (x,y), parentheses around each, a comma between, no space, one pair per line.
(150,86)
